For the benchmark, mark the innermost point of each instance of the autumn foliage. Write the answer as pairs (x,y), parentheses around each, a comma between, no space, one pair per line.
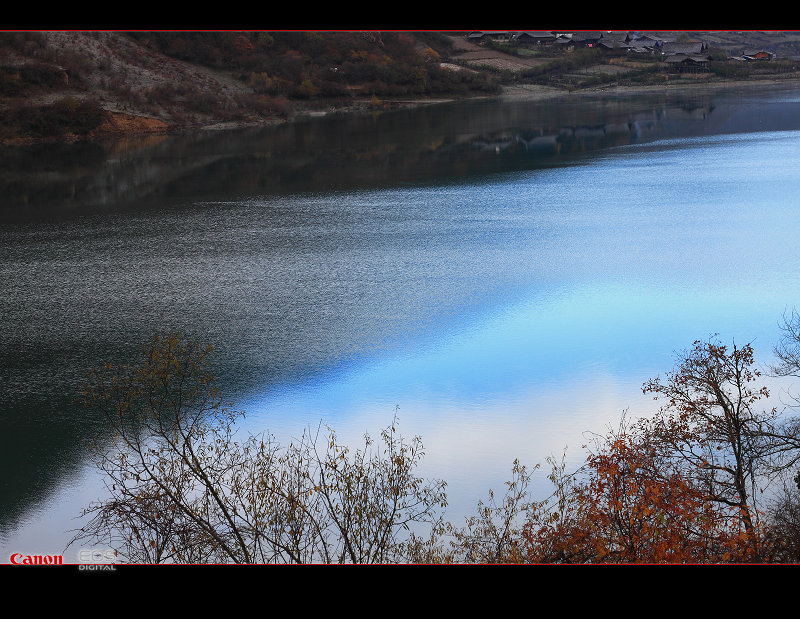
(303,65)
(629,506)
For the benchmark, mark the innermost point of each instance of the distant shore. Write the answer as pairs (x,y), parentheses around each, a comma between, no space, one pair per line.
(535,92)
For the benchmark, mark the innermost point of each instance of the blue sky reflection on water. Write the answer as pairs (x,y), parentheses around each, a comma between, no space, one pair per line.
(525,381)
(701,244)
(540,341)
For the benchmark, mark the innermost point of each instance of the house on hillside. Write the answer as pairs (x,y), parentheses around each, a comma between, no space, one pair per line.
(679,63)
(691,48)
(586,39)
(758,55)
(617,37)
(612,47)
(535,38)
(564,40)
(495,35)
(685,57)
(647,40)
(640,49)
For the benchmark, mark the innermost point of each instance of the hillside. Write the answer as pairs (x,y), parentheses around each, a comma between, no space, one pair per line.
(76,85)
(174,81)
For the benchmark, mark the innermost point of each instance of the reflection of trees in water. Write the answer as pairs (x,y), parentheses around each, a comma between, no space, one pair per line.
(573,139)
(335,153)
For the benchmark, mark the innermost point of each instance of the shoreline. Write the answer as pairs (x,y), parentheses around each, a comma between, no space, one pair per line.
(121,125)
(538,92)
(533,92)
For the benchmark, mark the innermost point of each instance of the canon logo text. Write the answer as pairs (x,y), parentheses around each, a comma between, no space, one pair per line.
(20,559)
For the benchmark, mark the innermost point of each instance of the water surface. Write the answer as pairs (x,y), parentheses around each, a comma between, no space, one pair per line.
(502,275)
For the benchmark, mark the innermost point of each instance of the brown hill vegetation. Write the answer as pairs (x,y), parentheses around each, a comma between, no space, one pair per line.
(202,79)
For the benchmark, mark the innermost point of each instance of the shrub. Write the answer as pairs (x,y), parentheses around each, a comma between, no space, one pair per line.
(67,115)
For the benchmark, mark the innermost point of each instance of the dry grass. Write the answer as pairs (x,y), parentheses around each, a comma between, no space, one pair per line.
(114,66)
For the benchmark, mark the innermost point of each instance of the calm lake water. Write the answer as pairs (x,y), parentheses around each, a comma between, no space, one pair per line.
(502,275)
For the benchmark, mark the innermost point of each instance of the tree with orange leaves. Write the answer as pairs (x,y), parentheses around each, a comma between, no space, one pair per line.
(630,505)
(712,428)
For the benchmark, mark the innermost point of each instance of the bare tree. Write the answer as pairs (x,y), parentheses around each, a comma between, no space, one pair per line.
(373,499)
(713,427)
(783,531)
(494,533)
(787,352)
(183,486)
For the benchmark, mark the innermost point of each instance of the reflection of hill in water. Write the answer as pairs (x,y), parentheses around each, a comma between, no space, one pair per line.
(414,146)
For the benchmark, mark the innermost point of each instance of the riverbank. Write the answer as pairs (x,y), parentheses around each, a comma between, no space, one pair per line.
(538,92)
(534,92)
(120,123)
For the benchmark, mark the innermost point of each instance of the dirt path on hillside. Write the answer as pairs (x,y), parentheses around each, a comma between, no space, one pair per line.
(477,55)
